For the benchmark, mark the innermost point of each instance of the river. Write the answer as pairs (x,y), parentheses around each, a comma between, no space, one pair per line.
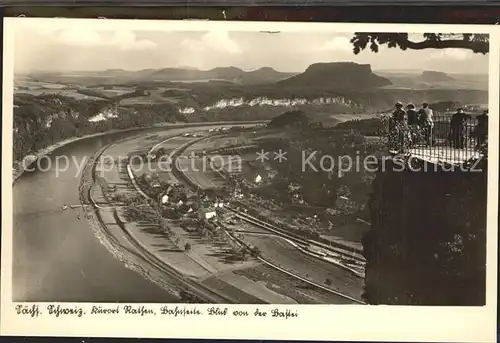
(56,256)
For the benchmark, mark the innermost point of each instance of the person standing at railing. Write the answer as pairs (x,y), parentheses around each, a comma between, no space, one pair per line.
(426,122)
(413,122)
(398,129)
(458,129)
(481,129)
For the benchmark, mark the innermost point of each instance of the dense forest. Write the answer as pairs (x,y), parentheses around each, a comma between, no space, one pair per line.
(43,120)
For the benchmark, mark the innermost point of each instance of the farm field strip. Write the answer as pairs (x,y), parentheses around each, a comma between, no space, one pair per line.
(284,255)
(353,267)
(255,221)
(291,287)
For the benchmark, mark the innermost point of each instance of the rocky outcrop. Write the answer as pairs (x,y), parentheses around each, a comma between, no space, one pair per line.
(427,242)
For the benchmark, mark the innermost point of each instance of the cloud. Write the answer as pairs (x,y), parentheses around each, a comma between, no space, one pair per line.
(213,40)
(83,36)
(86,36)
(341,44)
(126,40)
(453,54)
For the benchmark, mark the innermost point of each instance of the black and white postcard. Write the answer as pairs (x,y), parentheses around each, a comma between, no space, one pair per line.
(249,180)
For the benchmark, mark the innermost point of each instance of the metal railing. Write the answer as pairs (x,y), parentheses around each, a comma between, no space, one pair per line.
(446,140)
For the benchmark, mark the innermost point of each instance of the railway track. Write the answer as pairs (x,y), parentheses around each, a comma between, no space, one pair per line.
(196,288)
(272,265)
(178,173)
(295,238)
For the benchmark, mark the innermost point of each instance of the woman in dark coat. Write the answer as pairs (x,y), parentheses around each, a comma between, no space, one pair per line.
(458,129)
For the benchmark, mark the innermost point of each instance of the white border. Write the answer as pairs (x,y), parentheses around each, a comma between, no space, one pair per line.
(315,322)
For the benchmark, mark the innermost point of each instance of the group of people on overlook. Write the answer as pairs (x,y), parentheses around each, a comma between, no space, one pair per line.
(411,126)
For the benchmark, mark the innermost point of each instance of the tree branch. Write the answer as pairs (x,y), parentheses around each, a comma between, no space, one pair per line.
(478,47)
(476,42)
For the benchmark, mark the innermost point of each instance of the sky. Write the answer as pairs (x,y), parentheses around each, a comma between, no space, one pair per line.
(81,47)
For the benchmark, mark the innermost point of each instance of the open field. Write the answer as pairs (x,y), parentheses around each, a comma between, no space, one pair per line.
(255,288)
(199,172)
(211,142)
(286,256)
(233,292)
(291,287)
(164,171)
(173,143)
(30,84)
(114,92)
(67,93)
(162,246)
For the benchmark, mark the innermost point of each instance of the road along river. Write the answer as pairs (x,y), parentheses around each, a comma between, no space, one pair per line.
(56,256)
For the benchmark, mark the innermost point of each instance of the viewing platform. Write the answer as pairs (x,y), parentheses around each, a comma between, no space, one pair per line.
(444,143)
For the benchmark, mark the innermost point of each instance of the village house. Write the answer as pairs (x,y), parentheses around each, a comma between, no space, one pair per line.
(206,212)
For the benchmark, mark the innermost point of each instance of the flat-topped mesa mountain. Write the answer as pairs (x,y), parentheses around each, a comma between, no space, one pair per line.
(337,76)
(434,76)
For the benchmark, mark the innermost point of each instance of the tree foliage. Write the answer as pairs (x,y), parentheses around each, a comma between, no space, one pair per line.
(478,43)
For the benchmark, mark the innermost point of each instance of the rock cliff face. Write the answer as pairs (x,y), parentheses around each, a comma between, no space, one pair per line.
(427,242)
(341,76)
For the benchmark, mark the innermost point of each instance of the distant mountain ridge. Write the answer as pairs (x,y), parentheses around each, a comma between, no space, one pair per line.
(234,74)
(348,80)
(332,76)
(337,75)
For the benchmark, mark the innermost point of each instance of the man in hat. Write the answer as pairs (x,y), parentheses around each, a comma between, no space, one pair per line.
(458,129)
(426,122)
(399,116)
(481,129)
(398,128)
